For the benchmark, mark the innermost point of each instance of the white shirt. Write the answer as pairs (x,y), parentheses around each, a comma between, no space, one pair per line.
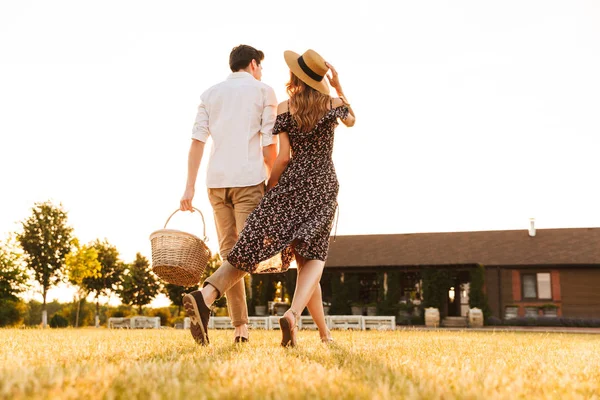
(239,114)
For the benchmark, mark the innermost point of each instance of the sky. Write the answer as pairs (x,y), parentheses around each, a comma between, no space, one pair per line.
(471,115)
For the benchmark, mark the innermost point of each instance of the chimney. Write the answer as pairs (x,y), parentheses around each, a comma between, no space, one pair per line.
(531,227)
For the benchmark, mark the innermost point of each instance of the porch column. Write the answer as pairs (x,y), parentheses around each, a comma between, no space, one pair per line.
(516,289)
(385,285)
(555,282)
(516,285)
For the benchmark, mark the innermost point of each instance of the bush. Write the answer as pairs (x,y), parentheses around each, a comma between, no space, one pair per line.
(33,314)
(165,316)
(86,313)
(388,307)
(418,319)
(58,321)
(547,321)
(120,312)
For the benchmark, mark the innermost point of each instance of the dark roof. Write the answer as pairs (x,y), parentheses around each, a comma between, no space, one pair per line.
(548,247)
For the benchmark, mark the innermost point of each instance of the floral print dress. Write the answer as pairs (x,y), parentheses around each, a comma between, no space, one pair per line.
(297,214)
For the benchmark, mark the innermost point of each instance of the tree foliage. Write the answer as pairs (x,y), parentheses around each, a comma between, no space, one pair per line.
(139,285)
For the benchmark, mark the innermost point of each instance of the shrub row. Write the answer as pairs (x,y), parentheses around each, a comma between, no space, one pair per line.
(546,321)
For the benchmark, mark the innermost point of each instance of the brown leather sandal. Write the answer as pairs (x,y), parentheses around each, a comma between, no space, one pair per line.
(287,331)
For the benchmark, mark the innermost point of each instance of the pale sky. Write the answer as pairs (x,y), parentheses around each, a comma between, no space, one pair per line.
(471,115)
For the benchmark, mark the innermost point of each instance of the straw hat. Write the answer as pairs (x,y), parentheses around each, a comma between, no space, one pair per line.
(310,68)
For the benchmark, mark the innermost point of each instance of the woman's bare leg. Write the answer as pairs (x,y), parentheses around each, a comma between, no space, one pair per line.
(315,303)
(308,280)
(315,308)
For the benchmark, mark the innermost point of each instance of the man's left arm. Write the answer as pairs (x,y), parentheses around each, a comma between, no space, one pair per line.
(270,154)
(269,141)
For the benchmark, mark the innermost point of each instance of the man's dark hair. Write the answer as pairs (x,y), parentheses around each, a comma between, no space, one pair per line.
(241,56)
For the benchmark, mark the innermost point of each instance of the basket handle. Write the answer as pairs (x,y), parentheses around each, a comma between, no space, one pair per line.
(201,215)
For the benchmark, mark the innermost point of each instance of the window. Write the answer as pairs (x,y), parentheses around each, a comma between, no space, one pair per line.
(544,290)
(511,312)
(537,286)
(531,312)
(529,287)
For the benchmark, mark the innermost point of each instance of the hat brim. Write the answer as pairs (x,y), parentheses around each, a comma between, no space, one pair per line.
(291,59)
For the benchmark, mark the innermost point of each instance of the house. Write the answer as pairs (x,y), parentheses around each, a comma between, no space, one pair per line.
(524,269)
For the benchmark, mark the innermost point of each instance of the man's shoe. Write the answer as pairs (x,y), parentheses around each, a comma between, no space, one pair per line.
(199,314)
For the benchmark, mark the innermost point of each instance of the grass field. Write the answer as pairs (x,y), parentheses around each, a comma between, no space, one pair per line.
(94,364)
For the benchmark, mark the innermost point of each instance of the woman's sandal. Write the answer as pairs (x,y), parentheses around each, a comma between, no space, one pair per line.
(288,332)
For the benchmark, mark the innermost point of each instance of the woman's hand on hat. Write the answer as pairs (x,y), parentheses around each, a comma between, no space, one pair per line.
(333,78)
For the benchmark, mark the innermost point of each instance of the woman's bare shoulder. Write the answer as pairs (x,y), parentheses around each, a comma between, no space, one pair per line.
(282,107)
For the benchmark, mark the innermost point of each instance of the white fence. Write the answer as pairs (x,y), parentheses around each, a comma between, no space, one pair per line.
(356,322)
(134,322)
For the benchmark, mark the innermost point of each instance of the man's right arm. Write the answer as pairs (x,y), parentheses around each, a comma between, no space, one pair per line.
(200,134)
(194,160)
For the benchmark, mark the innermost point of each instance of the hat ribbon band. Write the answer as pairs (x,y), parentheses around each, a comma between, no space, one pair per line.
(309,71)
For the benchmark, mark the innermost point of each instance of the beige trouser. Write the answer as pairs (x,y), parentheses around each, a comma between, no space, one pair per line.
(231,207)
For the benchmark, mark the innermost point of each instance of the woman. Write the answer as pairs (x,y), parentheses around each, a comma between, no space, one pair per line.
(294,218)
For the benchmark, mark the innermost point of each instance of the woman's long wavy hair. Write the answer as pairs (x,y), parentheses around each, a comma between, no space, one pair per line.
(306,104)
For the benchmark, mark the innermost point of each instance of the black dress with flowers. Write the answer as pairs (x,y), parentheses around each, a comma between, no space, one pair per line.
(297,214)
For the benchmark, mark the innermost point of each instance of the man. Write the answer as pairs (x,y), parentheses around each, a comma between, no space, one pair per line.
(239,114)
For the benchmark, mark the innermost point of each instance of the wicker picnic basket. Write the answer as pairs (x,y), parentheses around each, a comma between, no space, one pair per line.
(179,257)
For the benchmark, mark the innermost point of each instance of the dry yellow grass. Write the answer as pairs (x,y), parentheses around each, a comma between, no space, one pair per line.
(153,364)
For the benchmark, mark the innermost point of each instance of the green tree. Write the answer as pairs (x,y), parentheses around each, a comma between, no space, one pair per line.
(46,240)
(340,303)
(436,283)
(111,272)
(13,275)
(175,294)
(389,302)
(477,296)
(352,285)
(82,263)
(139,285)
